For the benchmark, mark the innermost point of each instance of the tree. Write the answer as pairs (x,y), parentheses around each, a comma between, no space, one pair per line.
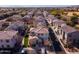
(77,26)
(61,11)
(54,12)
(57,13)
(74,20)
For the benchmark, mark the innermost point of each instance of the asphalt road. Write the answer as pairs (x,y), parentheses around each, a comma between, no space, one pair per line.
(55,43)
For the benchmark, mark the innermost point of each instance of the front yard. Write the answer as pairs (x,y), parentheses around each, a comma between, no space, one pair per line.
(25,41)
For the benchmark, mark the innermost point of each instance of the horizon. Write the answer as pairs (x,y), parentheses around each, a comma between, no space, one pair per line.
(37,5)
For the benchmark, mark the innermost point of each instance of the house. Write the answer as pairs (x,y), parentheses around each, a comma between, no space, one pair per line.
(41,24)
(28,19)
(57,24)
(14,18)
(30,13)
(41,33)
(50,19)
(33,40)
(17,26)
(39,21)
(69,35)
(45,13)
(77,21)
(8,39)
(38,13)
(3,24)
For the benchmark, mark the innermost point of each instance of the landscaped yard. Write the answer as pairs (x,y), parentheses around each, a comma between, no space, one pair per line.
(25,41)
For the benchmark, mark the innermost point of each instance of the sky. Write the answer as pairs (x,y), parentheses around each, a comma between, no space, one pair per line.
(39,2)
(35,5)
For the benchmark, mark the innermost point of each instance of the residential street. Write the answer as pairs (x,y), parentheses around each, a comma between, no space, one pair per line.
(55,44)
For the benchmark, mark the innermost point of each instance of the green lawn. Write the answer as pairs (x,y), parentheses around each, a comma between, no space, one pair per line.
(26,41)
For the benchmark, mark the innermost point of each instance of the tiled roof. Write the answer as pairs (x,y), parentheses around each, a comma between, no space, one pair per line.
(42,30)
(38,12)
(33,37)
(7,34)
(16,16)
(40,17)
(58,22)
(15,25)
(51,16)
(68,29)
(39,30)
(27,17)
(30,13)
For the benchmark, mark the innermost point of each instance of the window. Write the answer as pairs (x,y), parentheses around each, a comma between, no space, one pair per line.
(8,46)
(42,34)
(38,34)
(1,40)
(70,35)
(2,46)
(7,41)
(59,26)
(33,33)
